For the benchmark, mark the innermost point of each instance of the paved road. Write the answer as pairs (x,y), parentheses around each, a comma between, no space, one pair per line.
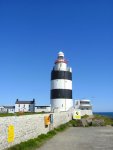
(92,138)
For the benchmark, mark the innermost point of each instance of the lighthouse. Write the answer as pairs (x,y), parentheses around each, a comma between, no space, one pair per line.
(61,85)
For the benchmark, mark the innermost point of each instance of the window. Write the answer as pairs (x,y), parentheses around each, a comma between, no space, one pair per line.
(60,57)
(84,102)
(41,107)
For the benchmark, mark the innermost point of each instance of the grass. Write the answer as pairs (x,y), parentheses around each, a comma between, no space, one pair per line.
(19,114)
(107,120)
(75,123)
(33,143)
(85,116)
(6,114)
(61,127)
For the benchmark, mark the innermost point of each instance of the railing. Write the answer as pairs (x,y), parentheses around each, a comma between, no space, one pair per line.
(85,105)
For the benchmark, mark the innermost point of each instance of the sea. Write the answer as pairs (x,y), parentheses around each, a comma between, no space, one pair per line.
(108,114)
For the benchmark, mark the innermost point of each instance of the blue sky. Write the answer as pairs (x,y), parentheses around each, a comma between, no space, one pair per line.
(32,32)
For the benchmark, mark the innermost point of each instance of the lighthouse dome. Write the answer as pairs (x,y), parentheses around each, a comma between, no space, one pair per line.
(61,54)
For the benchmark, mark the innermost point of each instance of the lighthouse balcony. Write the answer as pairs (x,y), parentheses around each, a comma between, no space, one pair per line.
(57,68)
(85,105)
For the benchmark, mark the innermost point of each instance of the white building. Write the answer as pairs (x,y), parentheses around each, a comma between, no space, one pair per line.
(7,109)
(84,106)
(10,109)
(25,106)
(3,110)
(42,108)
(61,85)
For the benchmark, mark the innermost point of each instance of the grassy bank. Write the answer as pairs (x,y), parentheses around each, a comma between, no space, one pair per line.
(6,114)
(98,120)
(107,120)
(34,143)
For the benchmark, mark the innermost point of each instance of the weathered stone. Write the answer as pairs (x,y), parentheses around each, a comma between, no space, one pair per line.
(84,122)
(98,122)
(28,126)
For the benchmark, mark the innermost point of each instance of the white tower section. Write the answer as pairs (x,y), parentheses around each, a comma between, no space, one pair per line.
(61,85)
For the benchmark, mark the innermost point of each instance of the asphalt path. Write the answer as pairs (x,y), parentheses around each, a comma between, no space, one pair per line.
(81,138)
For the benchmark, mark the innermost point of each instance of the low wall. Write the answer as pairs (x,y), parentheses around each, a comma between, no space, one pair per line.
(28,127)
(86,112)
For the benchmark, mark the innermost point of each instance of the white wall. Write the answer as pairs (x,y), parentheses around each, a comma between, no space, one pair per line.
(2,109)
(61,66)
(86,112)
(11,110)
(28,126)
(62,104)
(47,109)
(24,107)
(61,84)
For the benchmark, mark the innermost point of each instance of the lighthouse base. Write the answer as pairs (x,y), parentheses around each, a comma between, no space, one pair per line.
(61,104)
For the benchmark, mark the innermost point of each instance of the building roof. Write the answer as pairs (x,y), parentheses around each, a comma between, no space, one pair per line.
(1,106)
(42,106)
(9,107)
(24,102)
(82,100)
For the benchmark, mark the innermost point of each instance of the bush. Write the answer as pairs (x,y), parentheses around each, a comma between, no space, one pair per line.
(76,123)
(85,116)
(107,120)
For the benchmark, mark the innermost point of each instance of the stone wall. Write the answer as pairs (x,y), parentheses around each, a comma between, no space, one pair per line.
(28,127)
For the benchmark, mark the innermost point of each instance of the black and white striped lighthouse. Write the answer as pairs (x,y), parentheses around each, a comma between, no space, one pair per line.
(61,85)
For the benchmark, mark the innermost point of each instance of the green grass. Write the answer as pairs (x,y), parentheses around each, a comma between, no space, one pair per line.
(85,116)
(20,114)
(33,143)
(6,114)
(75,123)
(61,127)
(107,120)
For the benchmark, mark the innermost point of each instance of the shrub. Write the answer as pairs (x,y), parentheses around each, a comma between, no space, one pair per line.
(85,116)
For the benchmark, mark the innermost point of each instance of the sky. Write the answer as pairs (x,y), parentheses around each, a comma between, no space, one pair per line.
(32,32)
